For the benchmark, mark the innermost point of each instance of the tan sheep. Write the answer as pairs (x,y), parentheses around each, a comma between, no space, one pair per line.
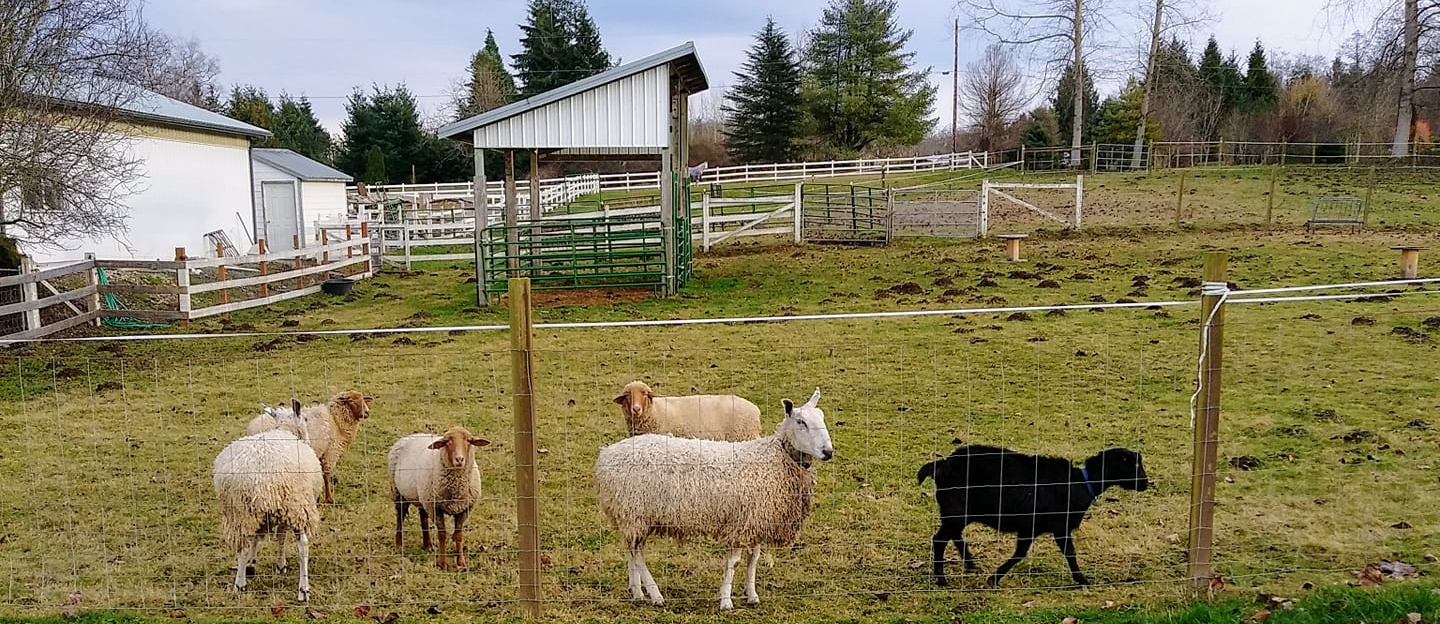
(722,417)
(332,428)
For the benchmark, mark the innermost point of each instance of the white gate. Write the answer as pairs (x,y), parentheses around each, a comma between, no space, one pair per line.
(998,189)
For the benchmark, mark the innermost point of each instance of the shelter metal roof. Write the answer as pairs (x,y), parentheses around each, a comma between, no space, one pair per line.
(301,167)
(682,60)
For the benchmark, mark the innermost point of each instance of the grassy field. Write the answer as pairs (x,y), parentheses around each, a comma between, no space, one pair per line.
(1328,455)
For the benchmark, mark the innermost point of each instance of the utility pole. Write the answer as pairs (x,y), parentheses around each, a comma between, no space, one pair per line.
(955,94)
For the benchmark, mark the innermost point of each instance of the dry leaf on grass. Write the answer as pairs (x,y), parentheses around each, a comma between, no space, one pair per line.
(1260,616)
(72,606)
(361,611)
(1070,620)
(1110,605)
(1217,585)
(388,618)
(1029,604)
(277,610)
(1398,569)
(313,615)
(178,614)
(1370,576)
(1414,618)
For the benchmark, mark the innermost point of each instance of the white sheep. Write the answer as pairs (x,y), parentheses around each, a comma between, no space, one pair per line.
(438,474)
(269,483)
(723,417)
(332,427)
(742,494)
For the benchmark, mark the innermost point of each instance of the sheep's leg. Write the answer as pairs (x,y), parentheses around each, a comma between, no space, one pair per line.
(425,529)
(460,539)
(1022,548)
(645,578)
(243,559)
(325,474)
(302,545)
(632,573)
(1067,547)
(441,538)
(752,598)
(731,558)
(937,548)
(280,565)
(965,555)
(401,508)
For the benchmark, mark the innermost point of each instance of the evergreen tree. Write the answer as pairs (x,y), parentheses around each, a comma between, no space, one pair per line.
(1063,103)
(490,85)
(375,166)
(388,120)
(1261,88)
(296,128)
(762,114)
(1118,117)
(859,87)
(559,45)
(251,105)
(1223,84)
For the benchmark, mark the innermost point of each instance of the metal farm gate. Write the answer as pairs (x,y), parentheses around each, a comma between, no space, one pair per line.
(844,213)
(945,213)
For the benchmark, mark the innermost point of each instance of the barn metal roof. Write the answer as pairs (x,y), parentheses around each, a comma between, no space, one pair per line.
(682,59)
(151,106)
(305,169)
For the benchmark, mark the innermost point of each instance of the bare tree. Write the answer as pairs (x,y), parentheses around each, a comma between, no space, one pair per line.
(64,169)
(1169,16)
(991,94)
(1409,26)
(1056,29)
(178,69)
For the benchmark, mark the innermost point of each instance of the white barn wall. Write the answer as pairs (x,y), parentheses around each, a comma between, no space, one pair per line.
(322,202)
(189,188)
(624,113)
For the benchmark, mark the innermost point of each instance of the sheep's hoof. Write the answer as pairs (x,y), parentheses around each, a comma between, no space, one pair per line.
(726,604)
(303,596)
(659,602)
(994,580)
(941,581)
(752,600)
(1082,582)
(239,587)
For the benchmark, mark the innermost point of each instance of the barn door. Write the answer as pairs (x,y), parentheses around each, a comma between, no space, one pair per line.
(281,223)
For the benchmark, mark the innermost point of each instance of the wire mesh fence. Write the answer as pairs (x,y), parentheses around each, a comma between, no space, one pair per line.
(1326,455)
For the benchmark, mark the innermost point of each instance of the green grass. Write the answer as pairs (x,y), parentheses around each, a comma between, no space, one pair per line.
(1333,605)
(107,487)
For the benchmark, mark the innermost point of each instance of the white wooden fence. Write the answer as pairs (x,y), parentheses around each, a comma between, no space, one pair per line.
(199,287)
(576,186)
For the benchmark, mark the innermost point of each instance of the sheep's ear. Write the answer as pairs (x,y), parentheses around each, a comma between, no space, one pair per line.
(789,407)
(814,399)
(438,444)
(620,400)
(295,406)
(479,442)
(368,400)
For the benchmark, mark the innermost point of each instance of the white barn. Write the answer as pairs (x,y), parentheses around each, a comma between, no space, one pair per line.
(290,191)
(197,180)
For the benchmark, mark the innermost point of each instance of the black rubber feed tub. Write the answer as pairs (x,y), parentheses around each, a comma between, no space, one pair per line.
(337,286)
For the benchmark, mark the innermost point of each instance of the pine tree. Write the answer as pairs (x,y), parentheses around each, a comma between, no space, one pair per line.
(296,128)
(1223,84)
(387,120)
(375,166)
(490,85)
(251,105)
(763,111)
(559,45)
(1119,116)
(859,87)
(1063,103)
(1261,88)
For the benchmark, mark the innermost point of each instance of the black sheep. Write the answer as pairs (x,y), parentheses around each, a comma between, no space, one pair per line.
(1023,494)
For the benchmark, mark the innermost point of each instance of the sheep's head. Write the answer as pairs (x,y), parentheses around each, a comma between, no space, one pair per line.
(804,428)
(289,420)
(357,403)
(1120,467)
(458,446)
(634,400)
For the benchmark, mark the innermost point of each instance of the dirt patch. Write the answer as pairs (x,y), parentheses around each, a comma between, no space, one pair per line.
(1082,277)
(908,288)
(1187,282)
(110,385)
(1410,333)
(1018,316)
(1362,320)
(1023,275)
(986,283)
(289,323)
(1432,322)
(1055,313)
(943,282)
(69,372)
(1049,283)
(403,341)
(1244,462)
(589,296)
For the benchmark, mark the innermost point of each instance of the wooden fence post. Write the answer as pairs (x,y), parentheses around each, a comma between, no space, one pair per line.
(365,246)
(182,279)
(1079,198)
(522,394)
(1180,199)
(349,247)
(1369,194)
(264,269)
(324,240)
(220,274)
(1270,199)
(299,262)
(705,221)
(93,280)
(799,212)
(30,292)
(1207,426)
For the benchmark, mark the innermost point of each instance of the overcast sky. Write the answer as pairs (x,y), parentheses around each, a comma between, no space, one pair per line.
(323,49)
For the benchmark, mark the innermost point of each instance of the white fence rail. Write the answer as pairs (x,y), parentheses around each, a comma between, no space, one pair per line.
(576,186)
(998,189)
